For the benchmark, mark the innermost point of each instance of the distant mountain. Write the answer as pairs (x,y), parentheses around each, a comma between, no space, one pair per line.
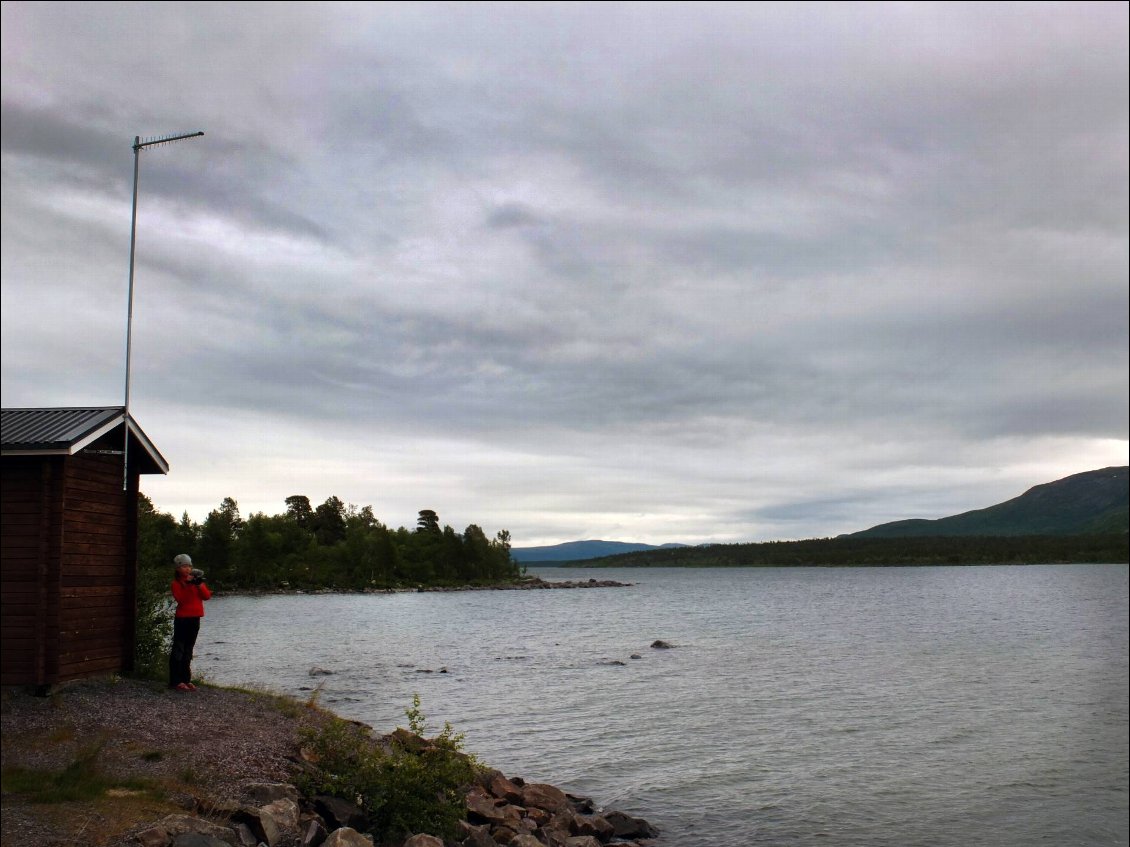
(1081,518)
(1090,503)
(575,551)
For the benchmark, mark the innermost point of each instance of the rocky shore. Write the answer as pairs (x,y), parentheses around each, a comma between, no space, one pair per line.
(501,812)
(535,584)
(218,768)
(528,583)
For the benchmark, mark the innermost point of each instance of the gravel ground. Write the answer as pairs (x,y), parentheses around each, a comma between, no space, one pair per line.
(199,746)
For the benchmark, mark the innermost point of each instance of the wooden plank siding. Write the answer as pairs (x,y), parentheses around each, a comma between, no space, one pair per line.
(69,552)
(31,494)
(92,587)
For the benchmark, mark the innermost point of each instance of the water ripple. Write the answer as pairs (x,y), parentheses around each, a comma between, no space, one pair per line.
(901,707)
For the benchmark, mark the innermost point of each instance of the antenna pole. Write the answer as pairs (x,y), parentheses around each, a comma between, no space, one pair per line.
(129,316)
(138,146)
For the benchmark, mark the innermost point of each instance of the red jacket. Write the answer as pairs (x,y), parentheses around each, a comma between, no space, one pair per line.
(190,598)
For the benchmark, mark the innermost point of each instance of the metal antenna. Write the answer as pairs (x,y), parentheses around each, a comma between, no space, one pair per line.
(138,146)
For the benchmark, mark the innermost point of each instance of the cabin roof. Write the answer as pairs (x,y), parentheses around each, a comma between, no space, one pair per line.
(67,431)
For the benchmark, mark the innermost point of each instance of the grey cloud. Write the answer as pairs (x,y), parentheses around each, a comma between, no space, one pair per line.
(63,139)
(665,253)
(217,181)
(510,215)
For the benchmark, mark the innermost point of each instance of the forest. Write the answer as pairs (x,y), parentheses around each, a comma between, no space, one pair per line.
(329,546)
(844,551)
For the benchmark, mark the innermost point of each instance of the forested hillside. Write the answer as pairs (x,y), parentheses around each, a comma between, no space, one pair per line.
(1091,502)
(328,546)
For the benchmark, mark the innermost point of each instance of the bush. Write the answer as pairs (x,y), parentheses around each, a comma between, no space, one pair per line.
(413,785)
(154,630)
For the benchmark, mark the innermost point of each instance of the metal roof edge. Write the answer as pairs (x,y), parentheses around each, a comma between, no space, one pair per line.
(43,451)
(150,448)
(96,433)
(107,419)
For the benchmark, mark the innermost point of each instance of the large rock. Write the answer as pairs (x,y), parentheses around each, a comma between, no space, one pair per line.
(594,825)
(527,825)
(559,824)
(475,836)
(499,786)
(409,740)
(347,837)
(482,808)
(625,826)
(314,835)
(539,816)
(285,812)
(246,836)
(154,836)
(338,813)
(222,808)
(262,793)
(423,840)
(580,804)
(196,839)
(166,830)
(261,823)
(503,834)
(542,796)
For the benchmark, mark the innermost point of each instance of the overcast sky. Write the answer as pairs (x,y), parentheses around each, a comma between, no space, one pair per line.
(643,272)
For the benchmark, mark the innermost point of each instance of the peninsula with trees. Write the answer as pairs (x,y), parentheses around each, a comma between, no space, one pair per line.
(331,546)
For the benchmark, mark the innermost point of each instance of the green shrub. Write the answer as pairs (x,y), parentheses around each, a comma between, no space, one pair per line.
(413,785)
(154,630)
(346,761)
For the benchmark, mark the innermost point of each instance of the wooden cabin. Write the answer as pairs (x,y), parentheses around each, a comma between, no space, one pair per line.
(69,542)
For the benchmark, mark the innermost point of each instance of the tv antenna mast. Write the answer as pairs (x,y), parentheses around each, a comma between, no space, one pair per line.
(138,146)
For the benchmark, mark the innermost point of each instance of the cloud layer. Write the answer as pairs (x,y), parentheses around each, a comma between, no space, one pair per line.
(650,272)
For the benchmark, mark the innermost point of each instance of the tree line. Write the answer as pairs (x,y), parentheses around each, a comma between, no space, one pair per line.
(329,546)
(855,550)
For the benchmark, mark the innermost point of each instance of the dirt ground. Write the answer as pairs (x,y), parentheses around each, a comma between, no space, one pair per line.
(175,749)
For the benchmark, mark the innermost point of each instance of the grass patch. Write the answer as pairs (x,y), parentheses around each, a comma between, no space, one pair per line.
(79,781)
(312,702)
(288,707)
(285,704)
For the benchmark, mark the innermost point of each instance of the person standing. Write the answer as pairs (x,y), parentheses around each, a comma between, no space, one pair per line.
(190,592)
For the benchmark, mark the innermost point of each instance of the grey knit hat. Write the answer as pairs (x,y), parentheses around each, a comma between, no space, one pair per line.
(182,559)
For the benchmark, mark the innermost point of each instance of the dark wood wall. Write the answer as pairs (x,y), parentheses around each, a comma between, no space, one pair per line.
(31,500)
(96,568)
(69,568)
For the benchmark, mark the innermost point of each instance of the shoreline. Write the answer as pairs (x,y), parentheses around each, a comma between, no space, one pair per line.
(223,762)
(535,583)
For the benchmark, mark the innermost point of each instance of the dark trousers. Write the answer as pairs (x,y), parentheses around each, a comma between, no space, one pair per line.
(185,631)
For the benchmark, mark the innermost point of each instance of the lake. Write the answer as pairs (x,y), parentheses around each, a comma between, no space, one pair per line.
(799,706)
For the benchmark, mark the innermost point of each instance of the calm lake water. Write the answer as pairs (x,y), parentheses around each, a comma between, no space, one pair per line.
(801,706)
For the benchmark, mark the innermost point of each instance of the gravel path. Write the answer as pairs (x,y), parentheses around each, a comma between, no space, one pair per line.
(203,744)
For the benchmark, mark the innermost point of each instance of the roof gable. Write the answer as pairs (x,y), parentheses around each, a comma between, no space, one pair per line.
(67,431)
